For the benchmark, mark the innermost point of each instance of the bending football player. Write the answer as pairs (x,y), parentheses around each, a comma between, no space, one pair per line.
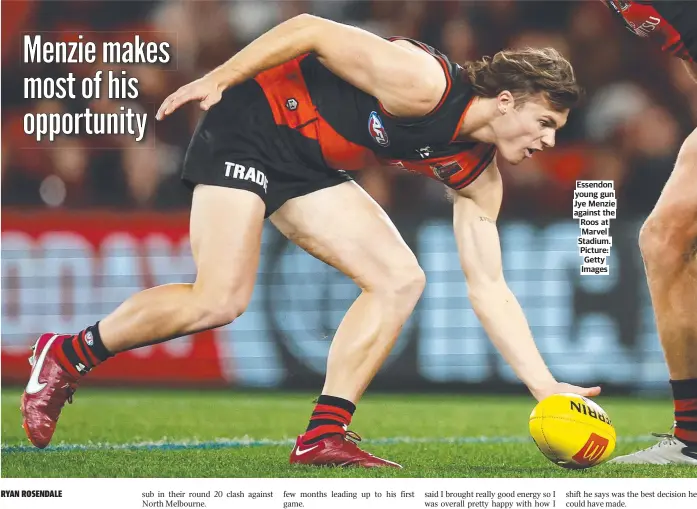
(288,118)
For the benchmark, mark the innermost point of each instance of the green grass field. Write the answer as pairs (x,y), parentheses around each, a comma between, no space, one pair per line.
(141,433)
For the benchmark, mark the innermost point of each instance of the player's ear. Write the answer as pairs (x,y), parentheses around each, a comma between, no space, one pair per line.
(505,102)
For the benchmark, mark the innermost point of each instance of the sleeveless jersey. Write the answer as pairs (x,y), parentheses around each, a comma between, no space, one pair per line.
(671,24)
(353,130)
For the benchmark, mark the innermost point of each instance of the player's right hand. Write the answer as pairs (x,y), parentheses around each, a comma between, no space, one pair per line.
(207,90)
(561,387)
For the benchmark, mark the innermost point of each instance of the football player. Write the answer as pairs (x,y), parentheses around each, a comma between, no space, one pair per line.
(286,118)
(668,238)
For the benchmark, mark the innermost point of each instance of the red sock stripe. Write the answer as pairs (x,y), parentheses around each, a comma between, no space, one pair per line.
(686,405)
(323,430)
(686,435)
(84,351)
(90,354)
(94,360)
(80,354)
(81,349)
(334,410)
(686,418)
(332,416)
(64,362)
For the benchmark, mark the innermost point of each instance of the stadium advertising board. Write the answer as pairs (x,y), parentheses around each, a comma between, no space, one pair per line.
(62,270)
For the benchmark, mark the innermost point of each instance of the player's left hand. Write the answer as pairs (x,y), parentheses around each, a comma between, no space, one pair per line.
(561,387)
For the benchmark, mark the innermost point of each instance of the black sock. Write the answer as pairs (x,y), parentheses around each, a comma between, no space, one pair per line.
(331,416)
(85,350)
(685,401)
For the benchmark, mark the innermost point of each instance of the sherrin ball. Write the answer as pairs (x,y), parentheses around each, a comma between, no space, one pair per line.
(572,431)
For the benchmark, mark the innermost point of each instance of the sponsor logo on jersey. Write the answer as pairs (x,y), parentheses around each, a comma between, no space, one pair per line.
(377,130)
(238,171)
(642,29)
(648,26)
(292,104)
(445,171)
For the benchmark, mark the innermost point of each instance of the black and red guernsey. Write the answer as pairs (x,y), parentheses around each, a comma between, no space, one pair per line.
(354,131)
(671,24)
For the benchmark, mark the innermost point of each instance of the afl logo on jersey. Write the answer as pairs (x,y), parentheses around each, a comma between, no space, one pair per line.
(377,130)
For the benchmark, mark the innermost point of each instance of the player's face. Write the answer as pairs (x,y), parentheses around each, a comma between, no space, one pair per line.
(522,130)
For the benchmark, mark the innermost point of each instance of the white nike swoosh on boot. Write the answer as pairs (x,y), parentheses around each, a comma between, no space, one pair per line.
(300,452)
(34,386)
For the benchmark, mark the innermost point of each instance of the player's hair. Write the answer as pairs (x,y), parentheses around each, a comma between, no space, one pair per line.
(526,72)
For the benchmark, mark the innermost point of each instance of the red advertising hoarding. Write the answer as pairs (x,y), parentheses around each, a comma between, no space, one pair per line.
(62,271)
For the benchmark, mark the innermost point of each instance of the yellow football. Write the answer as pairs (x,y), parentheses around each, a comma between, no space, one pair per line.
(572,431)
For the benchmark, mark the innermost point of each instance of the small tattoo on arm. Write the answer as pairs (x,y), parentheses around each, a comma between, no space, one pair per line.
(487,219)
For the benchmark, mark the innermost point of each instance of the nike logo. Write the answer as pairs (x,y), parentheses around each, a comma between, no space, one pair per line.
(300,452)
(689,452)
(34,386)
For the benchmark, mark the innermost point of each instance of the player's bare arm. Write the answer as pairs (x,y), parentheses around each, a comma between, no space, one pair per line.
(475,211)
(691,69)
(407,81)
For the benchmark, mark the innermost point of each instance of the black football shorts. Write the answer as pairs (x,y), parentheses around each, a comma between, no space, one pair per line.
(238,144)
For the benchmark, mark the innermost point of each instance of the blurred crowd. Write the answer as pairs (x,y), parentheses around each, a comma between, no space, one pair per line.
(639,104)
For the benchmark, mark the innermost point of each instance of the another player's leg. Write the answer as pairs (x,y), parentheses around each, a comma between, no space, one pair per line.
(225,232)
(668,243)
(353,234)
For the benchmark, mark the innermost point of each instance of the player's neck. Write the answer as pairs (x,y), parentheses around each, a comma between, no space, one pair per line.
(477,123)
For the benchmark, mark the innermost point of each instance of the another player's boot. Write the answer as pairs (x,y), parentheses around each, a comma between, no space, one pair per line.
(336,450)
(49,387)
(668,451)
